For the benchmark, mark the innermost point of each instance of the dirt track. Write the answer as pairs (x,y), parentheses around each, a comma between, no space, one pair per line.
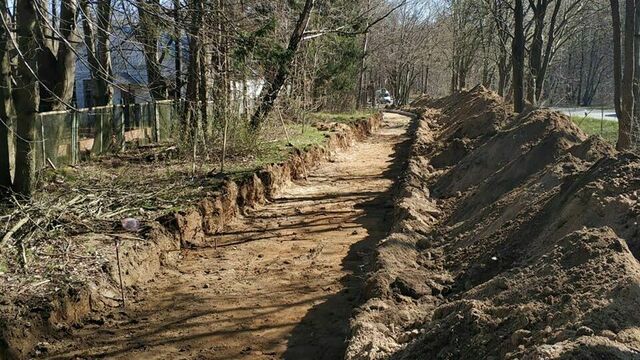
(286,289)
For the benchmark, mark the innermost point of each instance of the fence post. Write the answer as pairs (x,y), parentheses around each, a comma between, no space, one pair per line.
(156,120)
(137,122)
(101,132)
(44,147)
(601,120)
(75,142)
(123,143)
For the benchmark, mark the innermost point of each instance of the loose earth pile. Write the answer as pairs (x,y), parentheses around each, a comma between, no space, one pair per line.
(516,238)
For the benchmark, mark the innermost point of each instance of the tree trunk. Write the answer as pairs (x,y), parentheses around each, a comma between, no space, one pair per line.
(636,85)
(105,90)
(578,92)
(99,53)
(26,97)
(56,59)
(194,73)
(626,87)
(361,101)
(177,38)
(362,98)
(462,75)
(5,100)
(274,85)
(503,73)
(218,61)
(518,58)
(617,56)
(535,54)
(548,54)
(502,25)
(149,35)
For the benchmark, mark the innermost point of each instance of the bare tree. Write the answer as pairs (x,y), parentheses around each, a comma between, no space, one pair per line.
(624,70)
(192,113)
(362,98)
(499,10)
(617,55)
(518,57)
(56,54)
(149,31)
(26,95)
(5,99)
(628,77)
(276,81)
(467,31)
(96,38)
(541,54)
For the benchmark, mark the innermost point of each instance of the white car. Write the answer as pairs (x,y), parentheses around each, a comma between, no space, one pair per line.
(383,97)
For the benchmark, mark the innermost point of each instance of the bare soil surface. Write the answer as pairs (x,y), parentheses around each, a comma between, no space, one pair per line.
(283,286)
(517,237)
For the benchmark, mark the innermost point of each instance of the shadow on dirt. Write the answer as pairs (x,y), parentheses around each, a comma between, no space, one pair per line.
(323,332)
(144,337)
(183,322)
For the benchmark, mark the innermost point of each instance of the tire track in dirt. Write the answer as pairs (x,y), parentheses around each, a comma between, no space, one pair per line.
(286,287)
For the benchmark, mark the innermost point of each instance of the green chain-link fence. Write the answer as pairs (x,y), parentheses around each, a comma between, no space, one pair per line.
(67,137)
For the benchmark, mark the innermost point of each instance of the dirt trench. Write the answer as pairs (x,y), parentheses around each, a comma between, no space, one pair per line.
(283,286)
(516,237)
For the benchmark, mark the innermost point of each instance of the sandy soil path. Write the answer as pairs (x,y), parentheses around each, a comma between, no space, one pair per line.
(285,289)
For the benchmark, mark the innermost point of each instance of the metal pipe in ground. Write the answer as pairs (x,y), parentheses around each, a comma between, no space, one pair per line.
(400,112)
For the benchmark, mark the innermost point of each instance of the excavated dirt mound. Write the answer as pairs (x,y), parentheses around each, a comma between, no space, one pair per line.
(516,237)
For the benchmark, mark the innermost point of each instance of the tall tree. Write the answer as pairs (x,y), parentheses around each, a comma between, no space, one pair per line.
(626,87)
(56,54)
(361,100)
(149,31)
(636,83)
(26,95)
(276,81)
(96,37)
(5,98)
(466,32)
(541,54)
(518,47)
(499,10)
(624,70)
(177,38)
(617,55)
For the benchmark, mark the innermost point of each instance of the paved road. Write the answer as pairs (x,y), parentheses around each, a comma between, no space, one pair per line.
(601,113)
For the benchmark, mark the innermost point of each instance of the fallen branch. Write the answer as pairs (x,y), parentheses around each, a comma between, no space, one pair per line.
(118,212)
(126,237)
(117,243)
(13,230)
(284,126)
(51,164)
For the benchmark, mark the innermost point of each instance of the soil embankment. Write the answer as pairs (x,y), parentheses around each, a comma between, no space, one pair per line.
(282,282)
(516,237)
(34,308)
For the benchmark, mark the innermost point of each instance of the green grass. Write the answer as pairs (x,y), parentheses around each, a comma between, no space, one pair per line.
(607,129)
(278,150)
(341,117)
(303,139)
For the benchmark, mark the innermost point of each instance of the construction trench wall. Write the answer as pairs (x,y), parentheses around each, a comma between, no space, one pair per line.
(195,226)
(515,237)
